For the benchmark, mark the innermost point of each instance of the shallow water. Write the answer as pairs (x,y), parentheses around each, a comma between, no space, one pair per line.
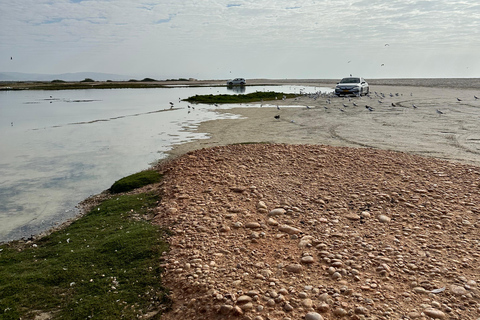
(59,147)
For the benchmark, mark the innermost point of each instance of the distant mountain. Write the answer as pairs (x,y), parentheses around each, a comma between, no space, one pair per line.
(78,76)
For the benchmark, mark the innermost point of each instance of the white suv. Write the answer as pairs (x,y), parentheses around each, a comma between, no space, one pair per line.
(236,82)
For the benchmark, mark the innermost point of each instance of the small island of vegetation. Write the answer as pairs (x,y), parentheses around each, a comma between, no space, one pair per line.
(239,98)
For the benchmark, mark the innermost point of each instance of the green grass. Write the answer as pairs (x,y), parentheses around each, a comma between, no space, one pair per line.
(105,265)
(135,181)
(239,98)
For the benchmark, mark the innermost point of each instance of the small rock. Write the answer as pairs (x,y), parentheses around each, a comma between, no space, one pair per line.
(457,290)
(313,316)
(225,309)
(360,310)
(288,307)
(353,217)
(307,260)
(295,268)
(288,229)
(383,218)
(277,212)
(434,313)
(252,225)
(340,312)
(307,303)
(323,307)
(261,205)
(272,222)
(244,299)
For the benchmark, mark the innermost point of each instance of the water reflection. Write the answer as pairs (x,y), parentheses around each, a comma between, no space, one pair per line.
(237,89)
(67,145)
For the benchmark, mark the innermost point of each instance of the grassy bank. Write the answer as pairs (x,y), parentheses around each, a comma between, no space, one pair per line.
(239,98)
(104,265)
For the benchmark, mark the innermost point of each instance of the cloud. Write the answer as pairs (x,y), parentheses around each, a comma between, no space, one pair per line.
(249,35)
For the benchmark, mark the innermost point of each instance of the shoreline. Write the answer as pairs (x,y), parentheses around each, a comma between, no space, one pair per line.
(460,83)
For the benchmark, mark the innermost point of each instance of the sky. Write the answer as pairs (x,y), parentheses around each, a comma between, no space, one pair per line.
(222,39)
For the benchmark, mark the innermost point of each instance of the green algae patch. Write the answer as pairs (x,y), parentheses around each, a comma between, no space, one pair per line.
(105,265)
(136,180)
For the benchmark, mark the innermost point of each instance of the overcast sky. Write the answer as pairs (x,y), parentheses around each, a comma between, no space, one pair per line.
(219,39)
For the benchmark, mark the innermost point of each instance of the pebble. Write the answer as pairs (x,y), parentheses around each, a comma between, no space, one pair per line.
(277,212)
(383,218)
(340,312)
(457,290)
(313,316)
(307,260)
(244,299)
(252,225)
(288,229)
(434,313)
(295,268)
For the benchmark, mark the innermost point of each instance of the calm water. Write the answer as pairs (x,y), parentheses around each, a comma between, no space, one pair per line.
(59,147)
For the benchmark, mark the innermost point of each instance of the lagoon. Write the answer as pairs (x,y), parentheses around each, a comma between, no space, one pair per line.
(60,147)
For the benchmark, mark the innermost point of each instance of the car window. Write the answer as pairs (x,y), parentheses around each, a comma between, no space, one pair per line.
(350,80)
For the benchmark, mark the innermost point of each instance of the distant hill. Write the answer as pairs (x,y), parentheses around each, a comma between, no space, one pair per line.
(78,76)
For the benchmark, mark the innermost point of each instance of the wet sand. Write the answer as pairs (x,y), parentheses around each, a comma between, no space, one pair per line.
(440,126)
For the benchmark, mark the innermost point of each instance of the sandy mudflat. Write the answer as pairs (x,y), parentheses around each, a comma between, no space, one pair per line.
(453,135)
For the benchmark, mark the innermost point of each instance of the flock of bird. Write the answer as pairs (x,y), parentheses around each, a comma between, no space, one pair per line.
(378,96)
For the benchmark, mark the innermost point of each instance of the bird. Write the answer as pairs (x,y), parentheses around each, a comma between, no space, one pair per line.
(393,104)
(439,112)
(380,101)
(326,108)
(278,108)
(342,110)
(382,65)
(354,104)
(344,105)
(476,98)
(387,45)
(458,99)
(171,103)
(308,107)
(369,108)
(414,106)
(277,116)
(11,58)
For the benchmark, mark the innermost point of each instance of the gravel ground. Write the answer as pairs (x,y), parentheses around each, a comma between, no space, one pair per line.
(277,231)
